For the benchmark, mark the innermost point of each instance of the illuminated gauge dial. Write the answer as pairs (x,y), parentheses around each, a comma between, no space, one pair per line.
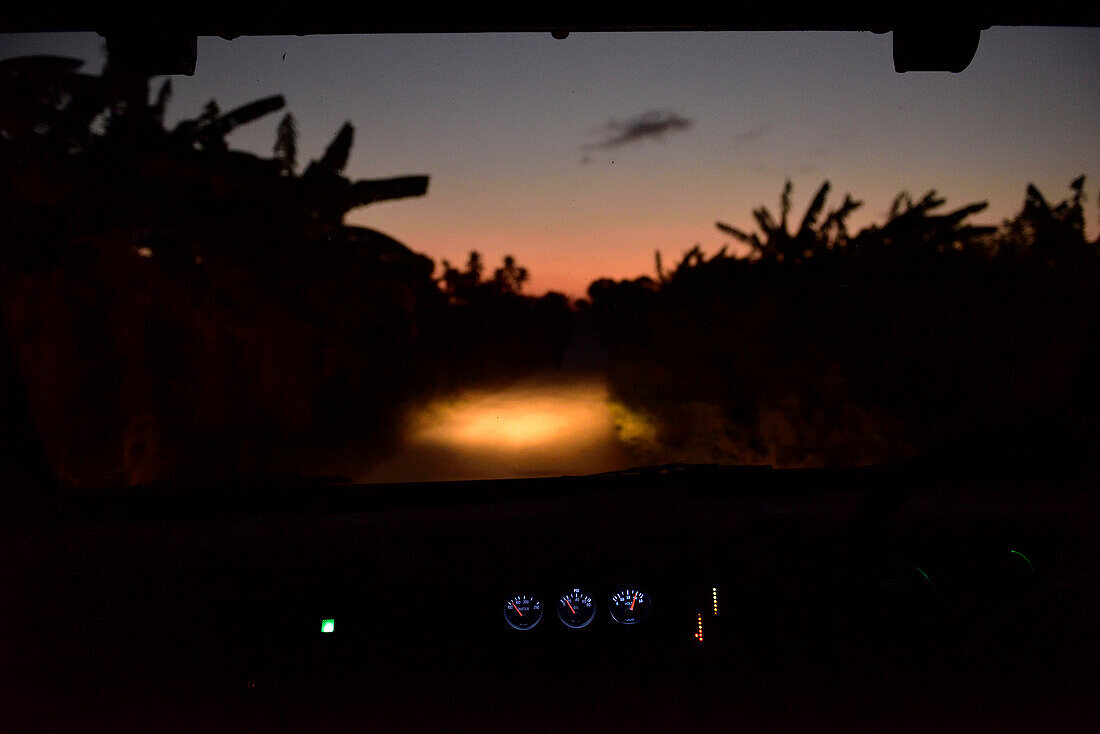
(523,612)
(629,605)
(576,609)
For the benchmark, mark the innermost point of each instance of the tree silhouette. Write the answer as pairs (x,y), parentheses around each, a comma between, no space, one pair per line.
(202,132)
(205,123)
(464,286)
(460,285)
(164,96)
(1050,234)
(210,112)
(776,243)
(286,144)
(921,329)
(330,194)
(474,266)
(659,267)
(510,277)
(47,101)
(911,227)
(247,276)
(249,282)
(336,154)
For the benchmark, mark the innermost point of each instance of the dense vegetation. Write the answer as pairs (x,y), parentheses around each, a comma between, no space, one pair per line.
(175,308)
(824,347)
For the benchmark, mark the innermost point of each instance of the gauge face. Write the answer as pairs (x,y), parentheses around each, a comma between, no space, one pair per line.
(576,609)
(630,605)
(523,611)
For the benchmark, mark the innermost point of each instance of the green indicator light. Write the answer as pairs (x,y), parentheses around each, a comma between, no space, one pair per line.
(1026,559)
(328,625)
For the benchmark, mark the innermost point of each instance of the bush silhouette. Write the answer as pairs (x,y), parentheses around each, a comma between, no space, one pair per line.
(828,348)
(178,309)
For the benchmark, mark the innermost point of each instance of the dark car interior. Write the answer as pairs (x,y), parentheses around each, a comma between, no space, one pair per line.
(778,599)
(957,591)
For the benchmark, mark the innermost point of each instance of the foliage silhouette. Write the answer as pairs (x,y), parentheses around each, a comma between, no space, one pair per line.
(1049,234)
(825,348)
(774,241)
(499,332)
(286,144)
(179,309)
(509,278)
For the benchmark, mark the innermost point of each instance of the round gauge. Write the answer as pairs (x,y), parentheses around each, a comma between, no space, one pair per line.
(576,609)
(523,612)
(630,605)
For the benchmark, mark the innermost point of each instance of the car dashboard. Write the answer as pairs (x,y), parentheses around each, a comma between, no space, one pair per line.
(698,597)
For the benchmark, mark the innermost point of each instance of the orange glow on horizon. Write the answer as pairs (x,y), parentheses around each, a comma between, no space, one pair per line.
(566,249)
(562,260)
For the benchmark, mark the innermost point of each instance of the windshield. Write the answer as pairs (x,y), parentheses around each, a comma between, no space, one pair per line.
(430,257)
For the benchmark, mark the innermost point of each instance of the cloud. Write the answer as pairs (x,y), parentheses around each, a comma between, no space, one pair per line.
(652,125)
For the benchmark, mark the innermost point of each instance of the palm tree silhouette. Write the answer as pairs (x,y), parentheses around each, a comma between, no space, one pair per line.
(510,278)
(776,243)
(912,228)
(1049,233)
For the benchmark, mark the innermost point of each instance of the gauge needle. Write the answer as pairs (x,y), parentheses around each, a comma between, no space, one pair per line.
(516,608)
(571,609)
(633,600)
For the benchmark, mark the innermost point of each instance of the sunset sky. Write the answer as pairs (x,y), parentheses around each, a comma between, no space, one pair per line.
(581,157)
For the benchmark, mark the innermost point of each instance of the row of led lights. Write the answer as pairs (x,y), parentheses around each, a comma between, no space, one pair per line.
(576,608)
(699,616)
